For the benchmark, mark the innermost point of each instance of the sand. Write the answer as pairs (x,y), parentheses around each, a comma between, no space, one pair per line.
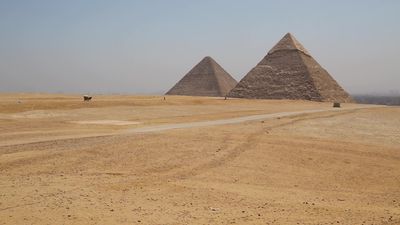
(106,122)
(328,167)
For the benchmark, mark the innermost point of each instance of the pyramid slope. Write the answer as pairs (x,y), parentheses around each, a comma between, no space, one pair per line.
(324,83)
(289,72)
(207,78)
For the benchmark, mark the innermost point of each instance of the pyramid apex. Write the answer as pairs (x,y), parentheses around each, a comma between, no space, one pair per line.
(291,36)
(288,34)
(207,59)
(289,42)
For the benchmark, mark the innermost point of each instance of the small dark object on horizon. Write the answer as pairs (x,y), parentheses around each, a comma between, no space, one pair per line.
(336,105)
(87,98)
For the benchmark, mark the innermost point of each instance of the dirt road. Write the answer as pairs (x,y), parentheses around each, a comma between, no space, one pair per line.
(237,120)
(170,126)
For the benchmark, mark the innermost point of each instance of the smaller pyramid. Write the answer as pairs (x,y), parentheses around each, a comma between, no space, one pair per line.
(288,71)
(207,78)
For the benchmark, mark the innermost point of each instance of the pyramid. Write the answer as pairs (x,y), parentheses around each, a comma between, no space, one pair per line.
(207,78)
(288,71)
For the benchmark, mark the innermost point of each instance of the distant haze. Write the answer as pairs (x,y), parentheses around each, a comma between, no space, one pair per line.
(143,47)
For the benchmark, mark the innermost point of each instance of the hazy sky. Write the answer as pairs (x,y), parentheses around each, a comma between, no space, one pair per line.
(147,46)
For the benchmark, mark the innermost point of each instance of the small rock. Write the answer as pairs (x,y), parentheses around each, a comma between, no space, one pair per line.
(214,209)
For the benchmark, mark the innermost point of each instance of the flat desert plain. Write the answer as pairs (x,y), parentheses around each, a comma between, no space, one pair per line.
(196,160)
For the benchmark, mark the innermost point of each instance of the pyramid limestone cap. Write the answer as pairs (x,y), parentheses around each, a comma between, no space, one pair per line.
(288,42)
(207,59)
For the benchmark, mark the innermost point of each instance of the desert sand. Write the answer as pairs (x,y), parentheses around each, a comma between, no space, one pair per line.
(65,161)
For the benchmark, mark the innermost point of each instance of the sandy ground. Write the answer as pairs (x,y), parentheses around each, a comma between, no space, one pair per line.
(333,167)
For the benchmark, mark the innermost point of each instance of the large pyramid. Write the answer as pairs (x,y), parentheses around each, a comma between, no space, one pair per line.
(288,71)
(207,78)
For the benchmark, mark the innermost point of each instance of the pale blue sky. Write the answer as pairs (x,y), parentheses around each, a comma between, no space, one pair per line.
(146,46)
